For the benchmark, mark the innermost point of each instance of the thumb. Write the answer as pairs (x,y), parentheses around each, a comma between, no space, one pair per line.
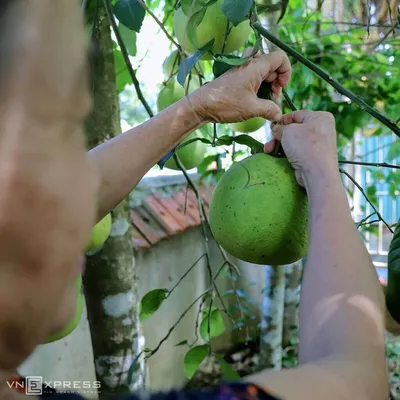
(268,110)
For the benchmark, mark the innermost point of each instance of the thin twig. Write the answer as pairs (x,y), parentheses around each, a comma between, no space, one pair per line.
(126,58)
(160,24)
(360,24)
(378,214)
(366,164)
(334,83)
(387,34)
(151,353)
(289,100)
(360,223)
(204,220)
(185,274)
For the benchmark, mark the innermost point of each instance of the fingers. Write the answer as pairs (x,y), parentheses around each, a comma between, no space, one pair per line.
(268,110)
(276,61)
(270,146)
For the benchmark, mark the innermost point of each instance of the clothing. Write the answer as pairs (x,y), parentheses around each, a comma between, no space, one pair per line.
(225,391)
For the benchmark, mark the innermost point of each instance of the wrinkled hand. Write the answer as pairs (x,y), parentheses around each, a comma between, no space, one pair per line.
(309,141)
(233,96)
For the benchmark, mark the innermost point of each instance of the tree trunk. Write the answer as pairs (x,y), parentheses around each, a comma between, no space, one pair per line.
(274,291)
(293,274)
(109,281)
(271,318)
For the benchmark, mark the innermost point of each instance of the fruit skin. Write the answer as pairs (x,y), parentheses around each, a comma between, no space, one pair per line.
(171,65)
(71,326)
(212,26)
(173,92)
(251,125)
(100,233)
(191,155)
(392,295)
(259,213)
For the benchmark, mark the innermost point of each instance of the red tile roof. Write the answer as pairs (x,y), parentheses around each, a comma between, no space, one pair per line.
(160,214)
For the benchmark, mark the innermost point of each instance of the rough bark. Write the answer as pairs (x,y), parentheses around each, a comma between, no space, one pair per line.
(271,318)
(293,274)
(109,281)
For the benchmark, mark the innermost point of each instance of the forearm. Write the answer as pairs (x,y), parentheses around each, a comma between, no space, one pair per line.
(342,305)
(125,159)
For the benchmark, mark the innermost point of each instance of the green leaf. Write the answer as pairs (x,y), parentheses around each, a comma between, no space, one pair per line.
(246,140)
(217,326)
(188,63)
(129,38)
(130,13)
(381,58)
(232,60)
(394,151)
(193,358)
(151,302)
(228,372)
(190,7)
(237,11)
(182,343)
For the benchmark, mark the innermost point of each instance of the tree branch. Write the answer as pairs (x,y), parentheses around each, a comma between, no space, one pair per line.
(126,58)
(366,164)
(378,214)
(325,76)
(176,324)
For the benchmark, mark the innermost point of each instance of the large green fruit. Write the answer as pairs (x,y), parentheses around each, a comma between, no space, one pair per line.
(100,233)
(393,282)
(172,62)
(191,155)
(71,326)
(173,92)
(259,213)
(251,125)
(213,25)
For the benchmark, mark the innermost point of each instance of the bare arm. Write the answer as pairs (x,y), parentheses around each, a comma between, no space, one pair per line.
(342,305)
(125,159)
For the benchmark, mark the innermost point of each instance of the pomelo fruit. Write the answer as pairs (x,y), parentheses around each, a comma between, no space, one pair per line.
(259,213)
(71,326)
(172,62)
(251,125)
(172,92)
(213,25)
(100,233)
(191,155)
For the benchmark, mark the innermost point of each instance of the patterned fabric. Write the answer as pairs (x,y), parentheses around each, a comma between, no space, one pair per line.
(225,391)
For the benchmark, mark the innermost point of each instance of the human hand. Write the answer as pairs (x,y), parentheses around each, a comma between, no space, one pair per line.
(233,96)
(309,141)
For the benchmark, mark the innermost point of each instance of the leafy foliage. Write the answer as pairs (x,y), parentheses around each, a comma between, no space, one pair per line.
(130,13)
(194,357)
(151,302)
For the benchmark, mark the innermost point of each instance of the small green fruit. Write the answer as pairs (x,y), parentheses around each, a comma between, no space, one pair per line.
(251,125)
(212,26)
(100,233)
(71,326)
(191,155)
